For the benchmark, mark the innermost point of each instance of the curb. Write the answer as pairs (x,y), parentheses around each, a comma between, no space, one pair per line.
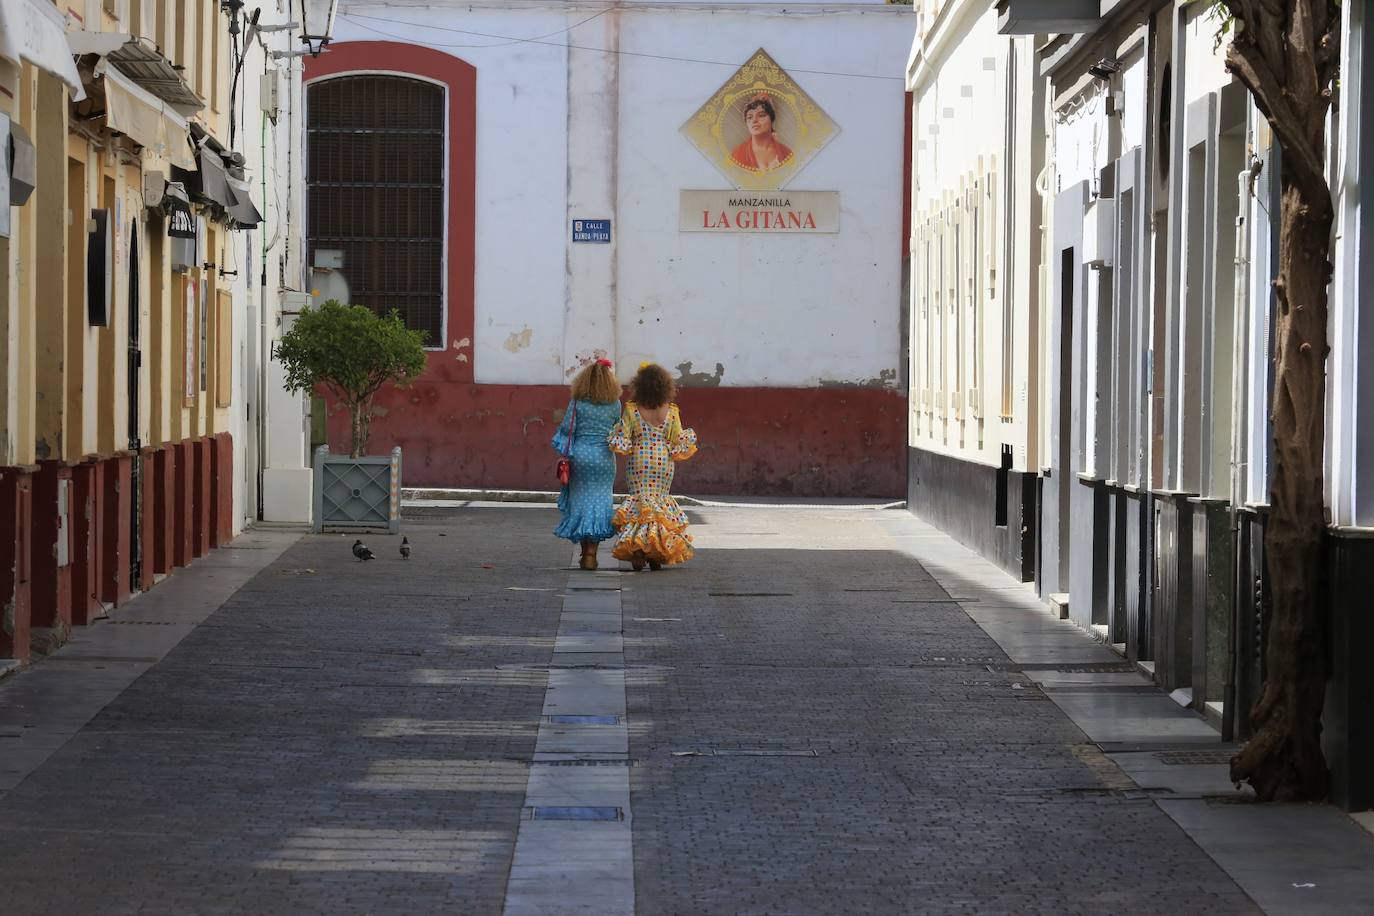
(458,494)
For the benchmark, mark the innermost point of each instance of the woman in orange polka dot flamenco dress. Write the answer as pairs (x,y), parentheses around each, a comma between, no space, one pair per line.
(652,527)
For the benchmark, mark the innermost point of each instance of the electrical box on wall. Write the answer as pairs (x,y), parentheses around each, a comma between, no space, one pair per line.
(1099,224)
(268,89)
(154,183)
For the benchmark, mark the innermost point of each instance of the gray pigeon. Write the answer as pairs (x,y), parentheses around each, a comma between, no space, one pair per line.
(405,547)
(362,552)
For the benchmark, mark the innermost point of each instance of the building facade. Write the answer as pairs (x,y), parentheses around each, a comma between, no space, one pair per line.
(977,114)
(572,178)
(132,243)
(1146,279)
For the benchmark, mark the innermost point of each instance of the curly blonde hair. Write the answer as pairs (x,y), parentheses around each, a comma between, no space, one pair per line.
(653,386)
(596,383)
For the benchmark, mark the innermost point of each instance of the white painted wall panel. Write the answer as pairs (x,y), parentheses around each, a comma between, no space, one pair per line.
(776,311)
(781,310)
(522,122)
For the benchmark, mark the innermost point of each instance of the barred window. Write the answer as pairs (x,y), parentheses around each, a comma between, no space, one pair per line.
(376,191)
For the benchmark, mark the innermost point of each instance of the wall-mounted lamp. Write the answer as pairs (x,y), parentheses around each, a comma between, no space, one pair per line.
(317,23)
(1105,67)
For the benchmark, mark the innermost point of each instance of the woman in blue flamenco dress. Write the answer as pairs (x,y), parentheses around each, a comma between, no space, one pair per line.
(585,501)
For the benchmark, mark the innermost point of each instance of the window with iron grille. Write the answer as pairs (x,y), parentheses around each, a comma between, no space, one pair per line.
(376,191)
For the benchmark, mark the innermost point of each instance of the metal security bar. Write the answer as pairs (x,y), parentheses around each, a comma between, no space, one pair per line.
(376,191)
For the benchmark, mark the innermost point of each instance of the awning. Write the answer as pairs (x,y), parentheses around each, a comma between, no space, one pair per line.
(34,31)
(140,60)
(245,214)
(208,183)
(144,118)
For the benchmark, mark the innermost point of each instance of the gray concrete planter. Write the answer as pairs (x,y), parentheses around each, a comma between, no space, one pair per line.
(357,494)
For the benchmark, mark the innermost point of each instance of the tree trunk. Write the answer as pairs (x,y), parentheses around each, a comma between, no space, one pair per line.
(1283,761)
(361,414)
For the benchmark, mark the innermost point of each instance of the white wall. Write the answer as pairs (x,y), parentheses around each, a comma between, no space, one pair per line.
(972,361)
(772,310)
(274,432)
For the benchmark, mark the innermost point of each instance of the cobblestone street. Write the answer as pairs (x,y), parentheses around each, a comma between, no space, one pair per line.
(814,724)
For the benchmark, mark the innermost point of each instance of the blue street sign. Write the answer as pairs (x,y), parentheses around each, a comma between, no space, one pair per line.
(591,230)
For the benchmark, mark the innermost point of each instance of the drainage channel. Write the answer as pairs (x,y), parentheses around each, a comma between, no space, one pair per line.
(573,851)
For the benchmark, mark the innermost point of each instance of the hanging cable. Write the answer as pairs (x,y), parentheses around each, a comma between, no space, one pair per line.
(509,40)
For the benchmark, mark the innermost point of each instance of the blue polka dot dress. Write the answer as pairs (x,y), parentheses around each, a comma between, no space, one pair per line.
(586,502)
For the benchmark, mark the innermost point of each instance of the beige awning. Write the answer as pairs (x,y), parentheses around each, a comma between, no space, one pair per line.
(144,118)
(34,31)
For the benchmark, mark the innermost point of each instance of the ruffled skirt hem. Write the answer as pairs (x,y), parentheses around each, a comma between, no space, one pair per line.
(594,524)
(659,532)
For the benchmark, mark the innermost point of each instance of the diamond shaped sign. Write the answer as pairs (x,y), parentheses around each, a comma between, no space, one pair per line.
(760,129)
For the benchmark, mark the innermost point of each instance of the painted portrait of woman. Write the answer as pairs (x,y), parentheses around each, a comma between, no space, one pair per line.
(762,150)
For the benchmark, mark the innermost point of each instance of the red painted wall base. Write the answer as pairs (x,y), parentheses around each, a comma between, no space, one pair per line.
(147,516)
(803,442)
(183,519)
(88,490)
(163,522)
(117,520)
(201,498)
(176,502)
(52,584)
(222,485)
(16,502)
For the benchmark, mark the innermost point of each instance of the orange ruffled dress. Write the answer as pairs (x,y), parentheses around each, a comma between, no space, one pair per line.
(649,520)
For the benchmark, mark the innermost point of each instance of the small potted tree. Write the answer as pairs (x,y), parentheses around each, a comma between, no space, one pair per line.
(351,352)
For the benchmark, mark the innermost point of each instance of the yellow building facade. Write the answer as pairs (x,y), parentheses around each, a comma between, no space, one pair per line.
(116,385)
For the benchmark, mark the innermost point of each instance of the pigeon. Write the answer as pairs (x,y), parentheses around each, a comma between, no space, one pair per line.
(361,552)
(405,548)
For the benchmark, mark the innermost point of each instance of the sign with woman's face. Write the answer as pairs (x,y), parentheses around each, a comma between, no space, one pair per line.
(760,128)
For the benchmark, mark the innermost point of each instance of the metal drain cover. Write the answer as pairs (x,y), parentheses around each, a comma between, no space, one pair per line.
(581,762)
(1194,758)
(574,813)
(582,720)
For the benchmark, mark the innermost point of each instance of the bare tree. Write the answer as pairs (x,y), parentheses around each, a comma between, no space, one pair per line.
(1287,52)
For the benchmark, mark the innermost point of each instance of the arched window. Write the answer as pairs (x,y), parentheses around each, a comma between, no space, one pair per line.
(376,191)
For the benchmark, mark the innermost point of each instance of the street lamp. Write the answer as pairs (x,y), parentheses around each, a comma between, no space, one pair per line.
(317,23)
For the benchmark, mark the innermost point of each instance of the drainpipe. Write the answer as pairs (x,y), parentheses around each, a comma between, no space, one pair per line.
(1239,354)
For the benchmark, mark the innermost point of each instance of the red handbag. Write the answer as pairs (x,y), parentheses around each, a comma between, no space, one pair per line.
(564,470)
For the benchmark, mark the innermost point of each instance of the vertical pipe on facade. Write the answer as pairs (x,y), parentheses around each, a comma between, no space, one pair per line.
(1239,372)
(261,380)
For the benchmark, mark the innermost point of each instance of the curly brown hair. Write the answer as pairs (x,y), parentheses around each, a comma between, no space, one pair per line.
(653,386)
(596,383)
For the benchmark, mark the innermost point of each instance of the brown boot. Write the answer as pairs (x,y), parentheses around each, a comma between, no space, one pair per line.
(637,560)
(588,560)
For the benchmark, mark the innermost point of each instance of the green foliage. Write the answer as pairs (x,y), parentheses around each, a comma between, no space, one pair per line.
(1225,23)
(352,352)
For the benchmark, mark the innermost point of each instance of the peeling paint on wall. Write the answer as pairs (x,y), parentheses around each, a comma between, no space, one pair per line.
(886,379)
(519,340)
(460,346)
(689,379)
(584,357)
